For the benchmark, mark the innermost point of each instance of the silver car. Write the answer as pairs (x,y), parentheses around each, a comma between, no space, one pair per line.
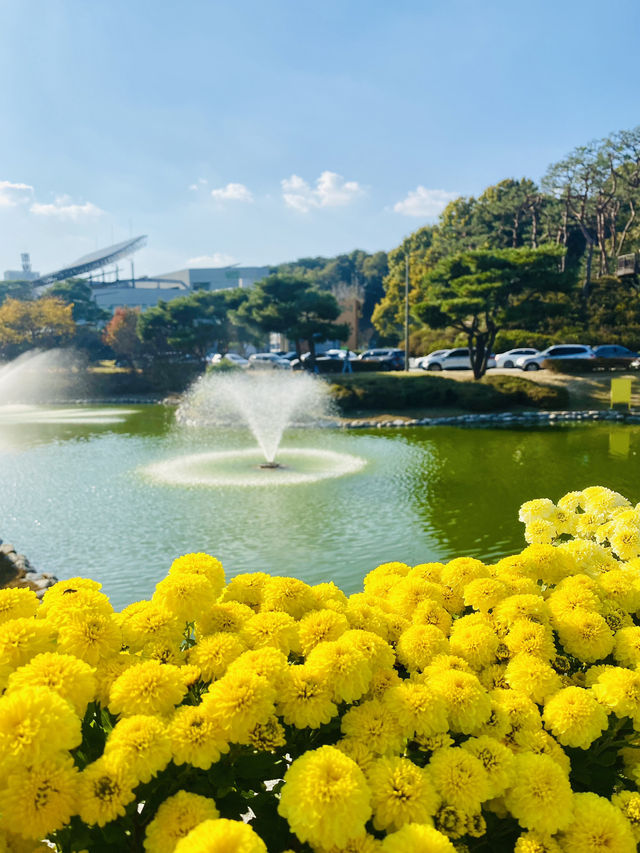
(528,362)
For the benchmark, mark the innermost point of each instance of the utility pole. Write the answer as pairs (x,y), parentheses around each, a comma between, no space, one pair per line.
(406,313)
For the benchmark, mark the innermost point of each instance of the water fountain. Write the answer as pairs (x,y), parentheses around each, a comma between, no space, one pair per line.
(35,385)
(266,403)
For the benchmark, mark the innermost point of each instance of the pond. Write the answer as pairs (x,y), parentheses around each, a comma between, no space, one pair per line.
(80,494)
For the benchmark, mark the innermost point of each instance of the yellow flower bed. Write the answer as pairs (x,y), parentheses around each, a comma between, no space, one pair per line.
(457,706)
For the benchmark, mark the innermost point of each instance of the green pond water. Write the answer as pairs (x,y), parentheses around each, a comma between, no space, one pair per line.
(116,493)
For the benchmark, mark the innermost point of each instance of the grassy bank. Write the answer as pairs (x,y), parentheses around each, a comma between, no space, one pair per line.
(397,392)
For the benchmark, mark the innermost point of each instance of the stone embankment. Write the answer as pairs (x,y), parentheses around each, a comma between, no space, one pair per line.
(17,571)
(502,419)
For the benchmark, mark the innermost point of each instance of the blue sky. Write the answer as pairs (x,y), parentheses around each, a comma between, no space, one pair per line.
(258,132)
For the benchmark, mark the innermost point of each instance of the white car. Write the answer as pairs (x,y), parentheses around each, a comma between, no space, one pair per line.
(419,362)
(509,358)
(233,357)
(528,362)
(268,361)
(452,359)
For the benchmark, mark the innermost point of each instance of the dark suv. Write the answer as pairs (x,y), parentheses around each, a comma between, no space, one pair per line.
(388,358)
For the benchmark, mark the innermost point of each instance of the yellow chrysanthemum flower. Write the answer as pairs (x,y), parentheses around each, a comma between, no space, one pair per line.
(108,670)
(533,677)
(20,640)
(105,789)
(267,735)
(419,644)
(35,724)
(540,743)
(629,804)
(268,662)
(213,654)
(142,743)
(460,571)
(358,751)
(149,687)
(531,638)
(597,826)
(467,703)
(82,601)
(198,734)
(401,793)
(474,640)
(484,593)
(418,709)
(460,779)
(221,836)
(325,798)
(344,667)
(619,690)
(521,711)
(288,595)
(377,652)
(41,797)
(627,646)
(175,819)
(621,586)
(92,637)
(540,797)
(524,606)
(274,628)
(408,593)
(147,623)
(229,617)
(185,596)
(374,723)
(305,698)
(17,603)
(536,842)
(363,613)
(242,699)
(320,626)
(246,588)
(329,595)
(200,564)
(431,613)
(69,677)
(540,531)
(417,838)
(497,760)
(586,636)
(534,510)
(575,717)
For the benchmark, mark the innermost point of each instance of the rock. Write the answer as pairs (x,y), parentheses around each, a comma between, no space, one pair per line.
(17,571)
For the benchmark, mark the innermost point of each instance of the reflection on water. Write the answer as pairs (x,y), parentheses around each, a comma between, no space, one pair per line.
(75,501)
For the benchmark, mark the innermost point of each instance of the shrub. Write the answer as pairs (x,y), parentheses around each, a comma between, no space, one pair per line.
(497,706)
(393,392)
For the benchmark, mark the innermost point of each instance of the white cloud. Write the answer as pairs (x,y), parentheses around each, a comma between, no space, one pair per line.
(217,259)
(198,185)
(63,208)
(331,190)
(232,192)
(424,202)
(12,194)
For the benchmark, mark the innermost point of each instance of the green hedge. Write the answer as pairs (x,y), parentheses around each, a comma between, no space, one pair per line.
(393,392)
(585,365)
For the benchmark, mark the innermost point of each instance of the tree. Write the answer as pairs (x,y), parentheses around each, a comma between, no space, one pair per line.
(483,291)
(291,306)
(121,335)
(78,293)
(194,323)
(42,323)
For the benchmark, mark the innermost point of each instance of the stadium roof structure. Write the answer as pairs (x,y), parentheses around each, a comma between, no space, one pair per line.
(94,261)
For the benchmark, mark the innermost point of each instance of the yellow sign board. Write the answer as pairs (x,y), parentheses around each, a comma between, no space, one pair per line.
(621,391)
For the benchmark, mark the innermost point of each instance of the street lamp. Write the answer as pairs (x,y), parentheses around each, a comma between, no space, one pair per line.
(406,312)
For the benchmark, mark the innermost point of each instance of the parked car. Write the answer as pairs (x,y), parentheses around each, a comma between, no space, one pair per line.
(527,362)
(614,351)
(389,358)
(419,362)
(232,357)
(268,361)
(508,358)
(452,359)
